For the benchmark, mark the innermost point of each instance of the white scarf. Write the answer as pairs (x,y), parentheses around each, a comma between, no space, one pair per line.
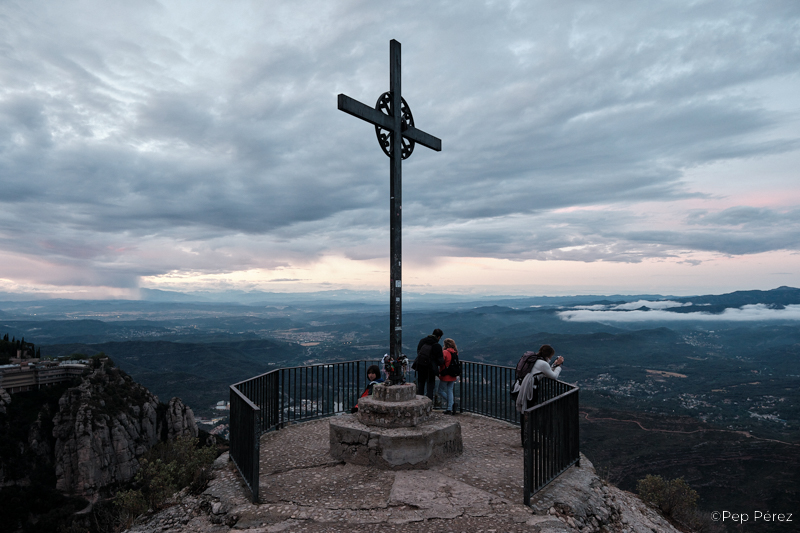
(526,390)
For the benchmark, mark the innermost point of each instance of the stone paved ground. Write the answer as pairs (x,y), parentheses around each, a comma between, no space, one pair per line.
(481,489)
(303,489)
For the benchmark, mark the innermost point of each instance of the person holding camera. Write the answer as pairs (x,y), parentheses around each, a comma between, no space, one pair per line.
(530,369)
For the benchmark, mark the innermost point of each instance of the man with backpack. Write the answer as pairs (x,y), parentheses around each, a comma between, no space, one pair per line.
(530,369)
(429,359)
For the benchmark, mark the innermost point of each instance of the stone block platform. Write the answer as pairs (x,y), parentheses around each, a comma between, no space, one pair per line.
(396,406)
(405,448)
(395,430)
(402,414)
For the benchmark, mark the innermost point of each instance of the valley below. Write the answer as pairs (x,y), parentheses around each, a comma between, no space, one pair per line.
(711,400)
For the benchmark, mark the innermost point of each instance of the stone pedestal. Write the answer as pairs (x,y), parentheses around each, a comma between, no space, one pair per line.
(396,430)
(394,393)
(397,406)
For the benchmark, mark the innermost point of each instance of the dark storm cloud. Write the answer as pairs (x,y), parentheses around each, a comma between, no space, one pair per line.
(607,235)
(734,231)
(748,218)
(141,139)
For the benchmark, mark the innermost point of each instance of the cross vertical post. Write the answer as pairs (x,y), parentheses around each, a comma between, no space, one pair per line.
(397,136)
(396,210)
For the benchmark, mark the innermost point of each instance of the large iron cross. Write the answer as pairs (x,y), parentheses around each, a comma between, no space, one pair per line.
(394,127)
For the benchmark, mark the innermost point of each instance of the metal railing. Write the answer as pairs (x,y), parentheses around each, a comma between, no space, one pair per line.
(271,401)
(245,433)
(551,435)
(485,390)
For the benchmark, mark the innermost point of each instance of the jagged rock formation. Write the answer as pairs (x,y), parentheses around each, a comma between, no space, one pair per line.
(178,421)
(104,425)
(26,443)
(39,441)
(5,399)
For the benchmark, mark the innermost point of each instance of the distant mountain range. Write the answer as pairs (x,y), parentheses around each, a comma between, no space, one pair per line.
(410,299)
(782,296)
(155,299)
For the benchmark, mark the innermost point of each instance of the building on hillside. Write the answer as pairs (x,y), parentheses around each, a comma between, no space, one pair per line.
(29,375)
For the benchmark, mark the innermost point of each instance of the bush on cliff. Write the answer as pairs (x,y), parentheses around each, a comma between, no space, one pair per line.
(677,501)
(673,497)
(167,468)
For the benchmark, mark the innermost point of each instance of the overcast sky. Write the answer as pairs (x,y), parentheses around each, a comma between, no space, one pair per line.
(617,146)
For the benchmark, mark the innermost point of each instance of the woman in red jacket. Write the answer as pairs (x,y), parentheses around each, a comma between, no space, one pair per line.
(446,383)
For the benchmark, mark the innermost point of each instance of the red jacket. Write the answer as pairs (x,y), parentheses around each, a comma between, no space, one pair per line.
(448,356)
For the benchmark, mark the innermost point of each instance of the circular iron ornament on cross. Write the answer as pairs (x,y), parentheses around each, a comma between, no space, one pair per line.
(384,105)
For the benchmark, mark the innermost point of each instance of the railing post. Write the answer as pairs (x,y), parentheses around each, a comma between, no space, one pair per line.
(528,457)
(256,454)
(461,388)
(577,423)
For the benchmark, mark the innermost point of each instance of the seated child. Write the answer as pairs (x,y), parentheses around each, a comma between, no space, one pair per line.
(373,376)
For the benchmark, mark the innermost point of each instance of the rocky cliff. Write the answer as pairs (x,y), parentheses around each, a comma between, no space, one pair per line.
(104,425)
(5,399)
(26,441)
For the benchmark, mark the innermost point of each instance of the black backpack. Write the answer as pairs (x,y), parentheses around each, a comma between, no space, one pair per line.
(423,359)
(525,364)
(454,368)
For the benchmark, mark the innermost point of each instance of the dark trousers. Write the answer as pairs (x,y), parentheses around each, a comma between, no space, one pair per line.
(530,403)
(426,376)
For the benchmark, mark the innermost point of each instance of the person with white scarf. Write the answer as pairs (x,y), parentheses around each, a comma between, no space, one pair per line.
(528,389)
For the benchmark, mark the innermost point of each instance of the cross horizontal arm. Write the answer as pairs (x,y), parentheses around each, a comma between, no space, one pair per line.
(425,139)
(365,112)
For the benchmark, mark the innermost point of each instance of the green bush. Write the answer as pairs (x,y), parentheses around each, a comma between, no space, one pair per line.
(129,504)
(167,468)
(675,498)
